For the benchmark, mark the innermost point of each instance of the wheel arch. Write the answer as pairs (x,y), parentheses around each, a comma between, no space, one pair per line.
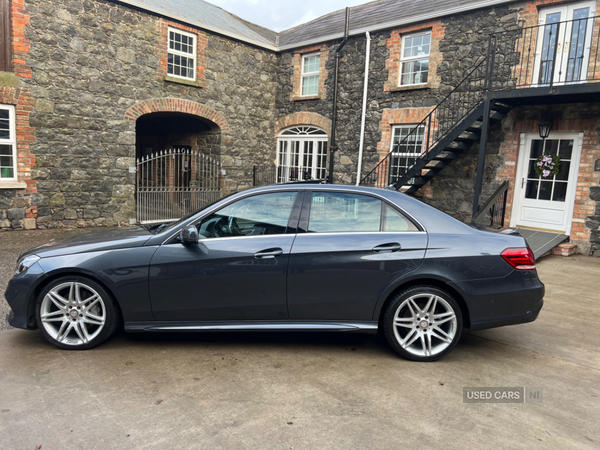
(439,283)
(54,275)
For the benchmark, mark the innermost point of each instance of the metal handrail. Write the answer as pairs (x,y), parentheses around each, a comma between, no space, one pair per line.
(438,124)
(495,206)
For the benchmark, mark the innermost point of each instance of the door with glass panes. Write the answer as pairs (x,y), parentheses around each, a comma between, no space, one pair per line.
(546,202)
(301,154)
(563,43)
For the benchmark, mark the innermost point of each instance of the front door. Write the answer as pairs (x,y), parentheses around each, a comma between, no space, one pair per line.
(546,203)
(238,269)
(563,43)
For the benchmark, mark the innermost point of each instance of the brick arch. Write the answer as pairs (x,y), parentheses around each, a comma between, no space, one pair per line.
(153,105)
(303,118)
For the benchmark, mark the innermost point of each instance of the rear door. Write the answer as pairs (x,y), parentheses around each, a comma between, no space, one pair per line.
(352,247)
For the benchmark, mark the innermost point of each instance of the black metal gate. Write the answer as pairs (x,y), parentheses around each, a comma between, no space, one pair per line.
(174,183)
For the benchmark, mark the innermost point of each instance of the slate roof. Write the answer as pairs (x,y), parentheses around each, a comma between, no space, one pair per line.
(377,15)
(210,17)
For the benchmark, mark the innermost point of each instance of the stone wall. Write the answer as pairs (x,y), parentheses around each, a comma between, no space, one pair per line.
(91,62)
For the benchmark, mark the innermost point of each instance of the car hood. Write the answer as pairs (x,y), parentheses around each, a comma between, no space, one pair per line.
(108,239)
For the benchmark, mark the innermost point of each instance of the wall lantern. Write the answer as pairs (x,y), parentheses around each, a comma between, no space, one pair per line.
(544,126)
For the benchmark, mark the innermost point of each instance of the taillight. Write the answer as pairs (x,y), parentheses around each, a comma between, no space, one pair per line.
(519,258)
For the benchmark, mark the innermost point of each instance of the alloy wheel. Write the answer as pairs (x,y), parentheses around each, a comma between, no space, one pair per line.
(425,325)
(73,313)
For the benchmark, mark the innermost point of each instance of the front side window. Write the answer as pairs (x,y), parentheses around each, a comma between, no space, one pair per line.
(264,214)
(8,147)
(181,54)
(407,146)
(311,65)
(302,154)
(415,59)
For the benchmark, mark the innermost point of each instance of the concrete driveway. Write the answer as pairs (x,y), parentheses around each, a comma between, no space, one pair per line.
(310,391)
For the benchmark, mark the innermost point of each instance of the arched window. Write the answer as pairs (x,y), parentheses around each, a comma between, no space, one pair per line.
(301,154)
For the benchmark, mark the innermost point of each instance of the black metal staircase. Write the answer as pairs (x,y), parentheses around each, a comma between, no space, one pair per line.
(465,134)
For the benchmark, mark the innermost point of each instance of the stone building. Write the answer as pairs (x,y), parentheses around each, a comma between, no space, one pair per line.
(89,86)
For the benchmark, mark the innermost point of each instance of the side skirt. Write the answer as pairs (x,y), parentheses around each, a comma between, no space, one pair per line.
(254,325)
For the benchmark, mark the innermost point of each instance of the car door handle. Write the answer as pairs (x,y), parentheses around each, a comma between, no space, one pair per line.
(270,253)
(387,248)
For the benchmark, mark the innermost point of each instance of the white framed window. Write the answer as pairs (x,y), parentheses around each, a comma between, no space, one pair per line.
(414,60)
(406,147)
(311,64)
(8,144)
(181,54)
(301,154)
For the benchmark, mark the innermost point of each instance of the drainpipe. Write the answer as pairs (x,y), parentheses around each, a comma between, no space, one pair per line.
(337,51)
(364,108)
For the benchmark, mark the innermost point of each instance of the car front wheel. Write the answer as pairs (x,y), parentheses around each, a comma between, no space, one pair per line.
(423,323)
(76,313)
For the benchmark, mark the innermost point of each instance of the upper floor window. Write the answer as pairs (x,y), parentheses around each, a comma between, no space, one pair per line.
(182,54)
(310,74)
(5,38)
(415,59)
(8,148)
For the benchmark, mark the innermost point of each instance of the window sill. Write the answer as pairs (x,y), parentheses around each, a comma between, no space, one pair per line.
(308,97)
(412,87)
(13,185)
(196,83)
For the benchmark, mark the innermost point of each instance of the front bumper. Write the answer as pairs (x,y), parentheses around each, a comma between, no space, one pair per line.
(20,296)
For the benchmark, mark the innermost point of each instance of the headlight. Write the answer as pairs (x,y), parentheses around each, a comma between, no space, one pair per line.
(26,263)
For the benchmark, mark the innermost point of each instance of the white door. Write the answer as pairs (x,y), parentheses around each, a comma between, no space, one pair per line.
(546,203)
(563,44)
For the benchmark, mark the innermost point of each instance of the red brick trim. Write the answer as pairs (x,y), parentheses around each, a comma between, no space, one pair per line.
(590,152)
(176,105)
(21,99)
(303,118)
(297,72)
(201,44)
(21,45)
(394,44)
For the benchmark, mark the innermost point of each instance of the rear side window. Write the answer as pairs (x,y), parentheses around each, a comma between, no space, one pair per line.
(340,212)
(337,212)
(394,221)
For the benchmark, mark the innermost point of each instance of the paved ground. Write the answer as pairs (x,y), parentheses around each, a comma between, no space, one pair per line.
(295,391)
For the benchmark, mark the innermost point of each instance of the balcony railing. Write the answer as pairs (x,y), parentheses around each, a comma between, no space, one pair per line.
(555,53)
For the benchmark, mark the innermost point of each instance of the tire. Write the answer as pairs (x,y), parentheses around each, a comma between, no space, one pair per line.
(76,313)
(423,323)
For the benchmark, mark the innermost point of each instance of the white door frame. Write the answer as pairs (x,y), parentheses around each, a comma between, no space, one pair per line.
(522,168)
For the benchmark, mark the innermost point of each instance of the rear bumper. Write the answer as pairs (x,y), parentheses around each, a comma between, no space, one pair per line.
(529,316)
(517,298)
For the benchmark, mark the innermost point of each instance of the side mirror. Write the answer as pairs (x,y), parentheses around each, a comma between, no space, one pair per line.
(189,235)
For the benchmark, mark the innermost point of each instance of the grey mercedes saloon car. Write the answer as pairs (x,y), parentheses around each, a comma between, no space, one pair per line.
(303,257)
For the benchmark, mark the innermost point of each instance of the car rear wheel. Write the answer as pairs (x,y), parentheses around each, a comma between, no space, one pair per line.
(76,313)
(423,323)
